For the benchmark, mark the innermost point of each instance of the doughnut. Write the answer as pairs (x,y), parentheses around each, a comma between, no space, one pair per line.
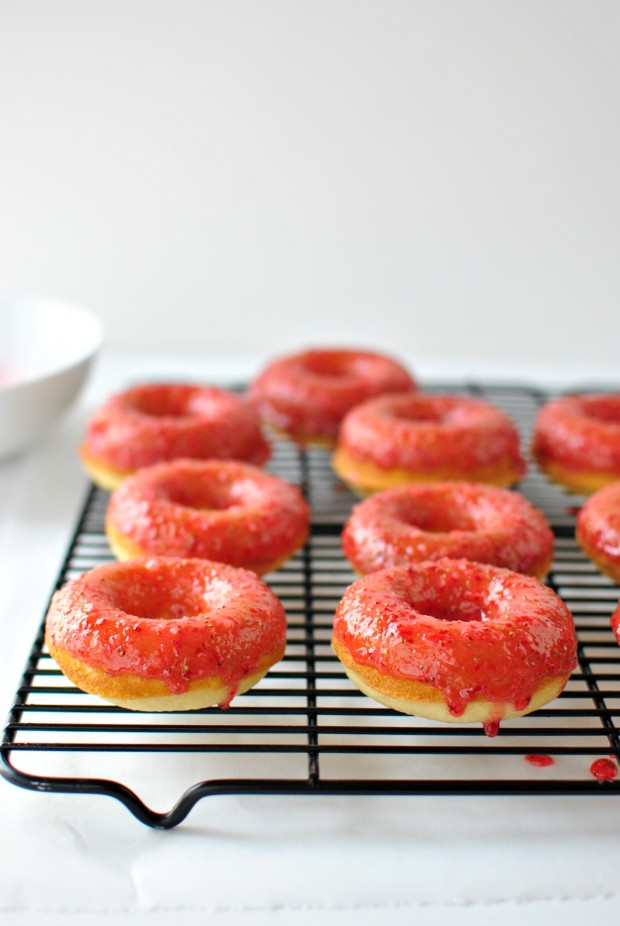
(455,641)
(576,441)
(399,439)
(305,396)
(615,622)
(155,423)
(165,634)
(429,521)
(218,510)
(598,529)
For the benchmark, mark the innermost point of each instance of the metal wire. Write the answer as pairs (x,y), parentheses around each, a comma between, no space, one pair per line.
(305,729)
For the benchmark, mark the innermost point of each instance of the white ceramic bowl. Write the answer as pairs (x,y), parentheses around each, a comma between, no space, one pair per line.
(46,350)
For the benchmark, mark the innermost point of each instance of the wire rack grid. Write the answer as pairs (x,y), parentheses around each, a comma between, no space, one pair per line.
(305,729)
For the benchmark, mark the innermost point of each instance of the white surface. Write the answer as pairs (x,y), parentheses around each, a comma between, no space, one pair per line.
(46,350)
(252,860)
(433,177)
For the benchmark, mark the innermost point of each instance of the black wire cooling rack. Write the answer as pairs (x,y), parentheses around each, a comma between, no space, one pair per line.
(305,729)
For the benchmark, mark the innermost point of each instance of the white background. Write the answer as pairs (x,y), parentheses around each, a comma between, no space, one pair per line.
(435,178)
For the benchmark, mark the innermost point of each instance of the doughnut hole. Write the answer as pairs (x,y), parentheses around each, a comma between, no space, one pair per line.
(434,410)
(162,401)
(418,414)
(433,516)
(179,401)
(605,409)
(167,598)
(448,604)
(200,494)
(330,364)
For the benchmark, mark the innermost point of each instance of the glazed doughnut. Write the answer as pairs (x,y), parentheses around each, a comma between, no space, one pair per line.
(398,439)
(165,634)
(598,529)
(305,396)
(577,441)
(455,641)
(615,623)
(155,423)
(429,521)
(219,510)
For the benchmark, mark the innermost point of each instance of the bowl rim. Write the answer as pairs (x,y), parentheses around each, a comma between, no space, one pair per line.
(28,300)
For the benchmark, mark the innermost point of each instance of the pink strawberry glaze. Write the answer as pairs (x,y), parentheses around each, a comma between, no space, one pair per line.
(604,769)
(538,759)
(615,623)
